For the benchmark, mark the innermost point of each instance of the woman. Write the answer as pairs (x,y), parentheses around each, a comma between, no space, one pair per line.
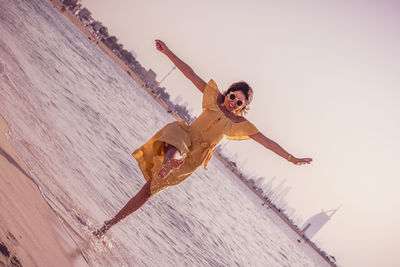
(178,149)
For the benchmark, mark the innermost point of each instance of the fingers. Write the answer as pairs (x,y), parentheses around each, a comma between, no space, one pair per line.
(160,45)
(303,161)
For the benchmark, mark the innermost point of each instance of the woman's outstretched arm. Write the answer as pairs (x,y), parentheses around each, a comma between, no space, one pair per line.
(271,145)
(182,66)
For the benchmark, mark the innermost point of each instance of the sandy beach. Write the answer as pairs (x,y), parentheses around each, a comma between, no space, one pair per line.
(30,233)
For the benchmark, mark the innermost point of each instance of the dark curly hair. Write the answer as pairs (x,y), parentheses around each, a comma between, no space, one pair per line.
(244,87)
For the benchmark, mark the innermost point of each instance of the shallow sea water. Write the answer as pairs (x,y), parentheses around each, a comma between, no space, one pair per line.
(75,119)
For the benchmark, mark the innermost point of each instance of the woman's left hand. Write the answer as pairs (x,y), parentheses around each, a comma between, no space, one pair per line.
(301,161)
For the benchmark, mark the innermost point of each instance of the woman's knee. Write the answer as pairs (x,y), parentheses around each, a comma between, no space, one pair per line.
(170,149)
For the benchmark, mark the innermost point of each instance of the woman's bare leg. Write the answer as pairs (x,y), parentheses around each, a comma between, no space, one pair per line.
(173,158)
(134,204)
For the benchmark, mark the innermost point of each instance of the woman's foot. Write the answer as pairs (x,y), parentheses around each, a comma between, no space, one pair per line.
(103,230)
(169,166)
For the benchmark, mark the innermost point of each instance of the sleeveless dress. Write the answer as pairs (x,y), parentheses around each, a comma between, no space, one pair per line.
(196,140)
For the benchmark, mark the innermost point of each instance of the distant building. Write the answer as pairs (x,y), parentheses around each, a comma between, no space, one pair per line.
(281,195)
(134,54)
(77,9)
(96,26)
(275,192)
(85,15)
(259,182)
(139,70)
(268,187)
(316,222)
(150,78)
(190,110)
(151,75)
(178,99)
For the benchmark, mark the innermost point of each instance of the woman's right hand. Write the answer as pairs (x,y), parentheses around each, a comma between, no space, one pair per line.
(161,47)
(182,66)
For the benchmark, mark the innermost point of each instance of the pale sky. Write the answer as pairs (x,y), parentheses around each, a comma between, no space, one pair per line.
(326,78)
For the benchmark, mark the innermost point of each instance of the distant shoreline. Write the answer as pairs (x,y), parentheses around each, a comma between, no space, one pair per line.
(302,237)
(79,25)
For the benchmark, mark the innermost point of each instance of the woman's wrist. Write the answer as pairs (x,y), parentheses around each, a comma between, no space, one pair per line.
(168,53)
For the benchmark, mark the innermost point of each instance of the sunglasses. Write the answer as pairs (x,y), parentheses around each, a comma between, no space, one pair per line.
(232,96)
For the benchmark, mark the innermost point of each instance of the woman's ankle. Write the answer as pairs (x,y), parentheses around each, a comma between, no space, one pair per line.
(103,230)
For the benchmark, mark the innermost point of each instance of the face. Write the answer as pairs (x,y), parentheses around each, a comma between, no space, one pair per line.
(231,104)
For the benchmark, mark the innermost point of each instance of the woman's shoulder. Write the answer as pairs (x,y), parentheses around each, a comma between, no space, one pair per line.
(242,130)
(211,83)
(210,95)
(211,88)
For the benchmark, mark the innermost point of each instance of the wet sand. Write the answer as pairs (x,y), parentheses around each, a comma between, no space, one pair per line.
(30,232)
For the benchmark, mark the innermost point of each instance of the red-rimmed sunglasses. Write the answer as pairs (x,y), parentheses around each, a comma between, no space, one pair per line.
(232,96)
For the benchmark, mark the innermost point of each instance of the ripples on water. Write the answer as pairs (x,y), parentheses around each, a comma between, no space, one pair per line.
(76,118)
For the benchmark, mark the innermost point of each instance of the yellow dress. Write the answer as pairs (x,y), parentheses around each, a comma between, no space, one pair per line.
(196,140)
